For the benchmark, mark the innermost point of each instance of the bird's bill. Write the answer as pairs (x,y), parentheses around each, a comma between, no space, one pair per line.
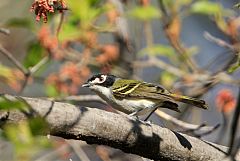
(86,85)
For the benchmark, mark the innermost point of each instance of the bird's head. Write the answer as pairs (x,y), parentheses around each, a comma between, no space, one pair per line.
(100,80)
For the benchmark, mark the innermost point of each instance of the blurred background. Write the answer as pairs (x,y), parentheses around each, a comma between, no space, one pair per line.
(48,48)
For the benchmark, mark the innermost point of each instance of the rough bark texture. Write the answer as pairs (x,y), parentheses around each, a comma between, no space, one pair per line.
(100,127)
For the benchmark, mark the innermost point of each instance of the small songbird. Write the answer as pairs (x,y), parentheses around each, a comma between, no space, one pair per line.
(136,97)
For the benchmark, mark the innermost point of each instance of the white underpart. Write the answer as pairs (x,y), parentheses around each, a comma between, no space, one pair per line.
(125,105)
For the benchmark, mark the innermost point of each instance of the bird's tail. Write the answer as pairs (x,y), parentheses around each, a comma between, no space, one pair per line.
(189,100)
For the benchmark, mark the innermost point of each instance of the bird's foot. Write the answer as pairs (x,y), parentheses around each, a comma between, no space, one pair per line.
(133,117)
(136,118)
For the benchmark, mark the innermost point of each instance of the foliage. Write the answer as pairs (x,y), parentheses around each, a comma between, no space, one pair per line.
(140,13)
(24,136)
(35,54)
(155,50)
(210,8)
(24,139)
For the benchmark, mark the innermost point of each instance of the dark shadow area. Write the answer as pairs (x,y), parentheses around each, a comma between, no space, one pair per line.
(82,112)
(28,111)
(63,131)
(3,117)
(147,145)
(183,141)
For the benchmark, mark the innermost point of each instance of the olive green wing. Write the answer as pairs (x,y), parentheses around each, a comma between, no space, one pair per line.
(139,89)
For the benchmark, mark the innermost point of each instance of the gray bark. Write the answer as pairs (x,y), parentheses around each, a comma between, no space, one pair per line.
(101,127)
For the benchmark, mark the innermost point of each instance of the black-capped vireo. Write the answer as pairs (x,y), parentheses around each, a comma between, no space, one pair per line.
(136,97)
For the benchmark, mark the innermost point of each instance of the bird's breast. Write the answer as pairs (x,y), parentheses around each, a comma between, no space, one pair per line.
(132,105)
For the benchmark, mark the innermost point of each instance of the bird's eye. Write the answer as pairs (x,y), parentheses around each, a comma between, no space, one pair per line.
(102,78)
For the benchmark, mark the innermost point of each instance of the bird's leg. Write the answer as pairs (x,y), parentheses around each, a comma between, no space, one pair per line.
(151,113)
(134,116)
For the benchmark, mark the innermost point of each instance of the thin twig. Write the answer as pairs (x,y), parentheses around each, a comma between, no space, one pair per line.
(234,125)
(181,123)
(182,52)
(60,23)
(13,60)
(163,8)
(32,71)
(206,132)
(176,44)
(218,41)
(36,67)
(148,33)
(224,77)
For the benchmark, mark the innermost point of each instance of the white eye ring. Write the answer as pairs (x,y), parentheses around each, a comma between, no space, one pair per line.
(102,78)
(99,80)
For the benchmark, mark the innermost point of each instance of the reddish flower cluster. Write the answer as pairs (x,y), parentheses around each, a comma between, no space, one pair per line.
(49,42)
(109,53)
(42,7)
(89,39)
(69,78)
(225,101)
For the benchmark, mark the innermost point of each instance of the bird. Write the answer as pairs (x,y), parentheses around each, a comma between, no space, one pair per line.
(135,97)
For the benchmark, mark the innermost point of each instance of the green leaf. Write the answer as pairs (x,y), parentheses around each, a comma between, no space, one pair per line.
(38,126)
(209,8)
(25,144)
(35,54)
(145,13)
(86,10)
(161,50)
(52,91)
(233,68)
(6,104)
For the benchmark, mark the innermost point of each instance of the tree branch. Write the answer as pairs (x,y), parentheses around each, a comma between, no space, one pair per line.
(100,127)
(13,60)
